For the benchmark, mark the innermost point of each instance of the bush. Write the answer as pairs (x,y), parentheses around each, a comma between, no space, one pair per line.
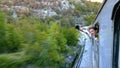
(13,42)
(9,41)
(71,35)
(48,49)
(2,33)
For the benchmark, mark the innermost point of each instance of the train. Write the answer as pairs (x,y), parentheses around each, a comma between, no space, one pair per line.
(108,22)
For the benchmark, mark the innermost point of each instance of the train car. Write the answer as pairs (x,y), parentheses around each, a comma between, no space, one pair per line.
(108,23)
(108,20)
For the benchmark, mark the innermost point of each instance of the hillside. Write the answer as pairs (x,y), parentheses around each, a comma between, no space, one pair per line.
(76,9)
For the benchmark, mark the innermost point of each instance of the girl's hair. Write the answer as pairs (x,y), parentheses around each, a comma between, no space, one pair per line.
(77,27)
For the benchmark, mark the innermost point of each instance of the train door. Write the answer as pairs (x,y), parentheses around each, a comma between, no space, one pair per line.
(116,40)
(116,45)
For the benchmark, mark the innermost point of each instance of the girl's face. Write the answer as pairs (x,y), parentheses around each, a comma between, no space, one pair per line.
(92,32)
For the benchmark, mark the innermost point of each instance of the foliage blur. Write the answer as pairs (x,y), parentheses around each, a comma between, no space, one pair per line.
(30,42)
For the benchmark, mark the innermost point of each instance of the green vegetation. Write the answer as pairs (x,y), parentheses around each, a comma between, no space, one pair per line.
(31,42)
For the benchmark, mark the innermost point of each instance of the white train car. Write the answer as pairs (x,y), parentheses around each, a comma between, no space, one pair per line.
(108,20)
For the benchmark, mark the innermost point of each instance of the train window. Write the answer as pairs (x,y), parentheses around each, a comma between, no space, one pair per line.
(97,27)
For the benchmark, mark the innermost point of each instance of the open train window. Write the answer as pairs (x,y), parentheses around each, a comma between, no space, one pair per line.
(97,27)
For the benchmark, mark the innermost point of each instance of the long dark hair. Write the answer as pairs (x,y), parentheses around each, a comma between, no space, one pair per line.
(77,27)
